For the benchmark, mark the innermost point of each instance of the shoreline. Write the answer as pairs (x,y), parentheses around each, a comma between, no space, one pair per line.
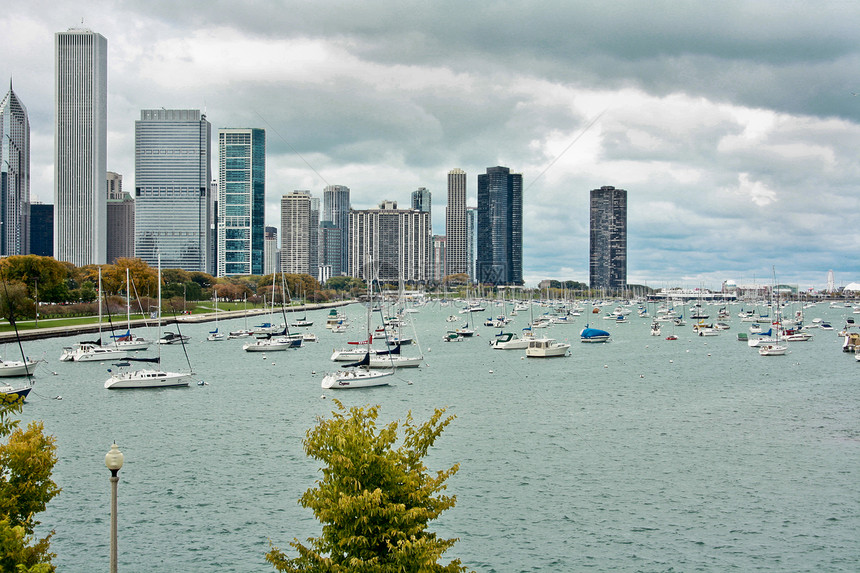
(74,330)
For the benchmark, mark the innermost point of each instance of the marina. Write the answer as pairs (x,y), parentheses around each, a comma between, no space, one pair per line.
(640,453)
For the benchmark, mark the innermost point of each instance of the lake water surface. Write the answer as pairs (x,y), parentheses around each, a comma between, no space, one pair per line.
(638,455)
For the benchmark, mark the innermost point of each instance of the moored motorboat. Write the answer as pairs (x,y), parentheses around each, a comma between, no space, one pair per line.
(546,348)
(593,335)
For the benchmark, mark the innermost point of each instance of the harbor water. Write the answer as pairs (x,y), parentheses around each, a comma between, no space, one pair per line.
(642,454)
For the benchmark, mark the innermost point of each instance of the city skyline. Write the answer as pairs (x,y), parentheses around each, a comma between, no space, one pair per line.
(729,121)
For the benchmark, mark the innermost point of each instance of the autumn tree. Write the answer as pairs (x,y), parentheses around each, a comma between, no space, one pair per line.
(375,498)
(14,302)
(26,462)
(43,273)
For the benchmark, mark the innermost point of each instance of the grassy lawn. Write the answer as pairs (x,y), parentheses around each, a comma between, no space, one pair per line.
(201,307)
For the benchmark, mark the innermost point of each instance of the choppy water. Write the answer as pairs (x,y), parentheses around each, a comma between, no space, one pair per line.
(638,455)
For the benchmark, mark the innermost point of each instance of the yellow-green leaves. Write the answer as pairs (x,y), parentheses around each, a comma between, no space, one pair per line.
(375,499)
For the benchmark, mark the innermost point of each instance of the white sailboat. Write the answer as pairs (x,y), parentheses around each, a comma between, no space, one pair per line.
(358,374)
(151,377)
(214,335)
(129,341)
(93,351)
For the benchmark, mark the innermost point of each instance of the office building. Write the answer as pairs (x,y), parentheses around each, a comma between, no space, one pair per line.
(42,229)
(336,210)
(607,267)
(421,200)
(14,176)
(270,251)
(120,220)
(500,227)
(296,233)
(172,173)
(456,231)
(390,244)
(80,147)
(241,200)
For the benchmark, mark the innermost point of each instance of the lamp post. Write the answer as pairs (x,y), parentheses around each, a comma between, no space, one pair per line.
(113,461)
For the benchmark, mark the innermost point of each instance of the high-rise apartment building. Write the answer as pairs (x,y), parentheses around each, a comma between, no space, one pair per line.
(607,267)
(241,200)
(421,200)
(314,248)
(172,157)
(438,272)
(296,233)
(329,251)
(456,232)
(120,220)
(80,147)
(500,227)
(14,176)
(336,210)
(471,241)
(390,244)
(270,251)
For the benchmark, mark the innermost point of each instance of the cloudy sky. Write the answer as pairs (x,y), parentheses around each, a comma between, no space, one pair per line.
(734,126)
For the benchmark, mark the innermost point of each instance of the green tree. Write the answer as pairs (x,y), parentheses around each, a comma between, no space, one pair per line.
(26,462)
(14,303)
(375,498)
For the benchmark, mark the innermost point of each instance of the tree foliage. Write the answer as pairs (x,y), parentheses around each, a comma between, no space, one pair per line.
(375,499)
(26,462)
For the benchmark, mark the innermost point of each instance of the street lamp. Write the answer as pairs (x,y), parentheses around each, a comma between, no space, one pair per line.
(113,461)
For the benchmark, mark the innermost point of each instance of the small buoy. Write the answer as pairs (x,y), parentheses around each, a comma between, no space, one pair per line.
(323,397)
(58,398)
(313,371)
(606,365)
(54,373)
(491,371)
(273,363)
(409,382)
(641,376)
(522,357)
(709,353)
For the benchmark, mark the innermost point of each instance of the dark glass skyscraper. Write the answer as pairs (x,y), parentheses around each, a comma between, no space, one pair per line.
(608,251)
(500,227)
(241,200)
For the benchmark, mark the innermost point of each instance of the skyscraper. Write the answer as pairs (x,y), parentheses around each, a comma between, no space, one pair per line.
(14,176)
(397,242)
(500,227)
(296,233)
(456,241)
(471,241)
(41,230)
(80,147)
(608,250)
(421,200)
(336,210)
(120,220)
(241,200)
(172,173)
(270,251)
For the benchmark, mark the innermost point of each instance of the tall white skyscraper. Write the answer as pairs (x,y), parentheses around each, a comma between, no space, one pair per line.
(80,147)
(456,231)
(14,176)
(171,185)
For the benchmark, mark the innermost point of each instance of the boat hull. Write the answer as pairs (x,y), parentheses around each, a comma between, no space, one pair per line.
(16,368)
(147,379)
(355,379)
